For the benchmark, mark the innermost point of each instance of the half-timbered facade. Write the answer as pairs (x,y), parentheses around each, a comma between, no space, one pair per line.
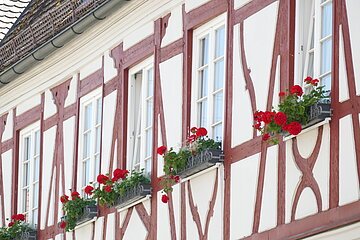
(147,72)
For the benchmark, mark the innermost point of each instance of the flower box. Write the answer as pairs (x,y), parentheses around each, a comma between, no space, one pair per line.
(133,194)
(90,212)
(201,161)
(317,113)
(28,235)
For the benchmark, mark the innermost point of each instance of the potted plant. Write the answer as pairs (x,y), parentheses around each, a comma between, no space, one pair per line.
(296,111)
(199,153)
(18,229)
(77,210)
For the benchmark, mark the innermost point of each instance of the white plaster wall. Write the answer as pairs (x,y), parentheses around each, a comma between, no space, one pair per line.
(174,30)
(90,67)
(7,175)
(268,217)
(99,228)
(107,129)
(28,104)
(72,93)
(164,218)
(348,176)
(353,7)
(240,3)
(139,34)
(48,153)
(9,127)
(109,67)
(345,233)
(84,232)
(306,205)
(244,176)
(110,227)
(259,50)
(49,106)
(136,228)
(69,143)
(343,80)
(191,4)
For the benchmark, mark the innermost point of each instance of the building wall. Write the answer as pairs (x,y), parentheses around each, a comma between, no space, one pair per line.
(301,187)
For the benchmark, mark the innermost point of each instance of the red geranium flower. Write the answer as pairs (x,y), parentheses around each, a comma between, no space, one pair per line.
(281,94)
(18,217)
(164,198)
(64,199)
(315,82)
(88,190)
(119,173)
(161,150)
(280,118)
(107,188)
(308,80)
(257,125)
(201,132)
(294,128)
(193,129)
(101,178)
(268,117)
(62,224)
(11,224)
(265,137)
(191,138)
(296,89)
(75,195)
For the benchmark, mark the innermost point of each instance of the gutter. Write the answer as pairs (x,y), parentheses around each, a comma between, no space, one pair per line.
(59,40)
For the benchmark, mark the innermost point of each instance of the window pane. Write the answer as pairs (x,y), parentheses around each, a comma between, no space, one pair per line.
(204,51)
(98,111)
(26,174)
(86,172)
(37,143)
(326,56)
(326,81)
(97,164)
(36,169)
(27,148)
(312,36)
(220,42)
(150,77)
(25,206)
(148,166)
(218,133)
(219,74)
(98,138)
(87,118)
(203,113)
(86,147)
(148,143)
(203,83)
(35,216)
(218,107)
(326,24)
(36,195)
(149,113)
(310,68)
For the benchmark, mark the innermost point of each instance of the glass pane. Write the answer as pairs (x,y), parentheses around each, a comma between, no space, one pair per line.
(35,216)
(87,118)
(203,114)
(26,175)
(220,42)
(36,195)
(149,112)
(37,143)
(312,36)
(98,111)
(98,138)
(326,24)
(86,147)
(218,107)
(36,169)
(148,143)
(204,51)
(218,133)
(326,81)
(203,83)
(310,69)
(326,56)
(97,164)
(219,74)
(137,151)
(148,166)
(150,76)
(86,172)
(25,200)
(27,148)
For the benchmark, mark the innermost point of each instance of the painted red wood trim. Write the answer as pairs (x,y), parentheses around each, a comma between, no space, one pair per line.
(306,166)
(138,52)
(321,222)
(144,216)
(171,50)
(125,224)
(91,82)
(76,135)
(30,116)
(69,112)
(250,9)
(6,145)
(171,216)
(110,86)
(15,166)
(2,129)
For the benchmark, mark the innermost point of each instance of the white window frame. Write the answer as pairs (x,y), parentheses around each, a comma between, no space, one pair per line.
(90,98)
(138,125)
(24,133)
(209,29)
(305,28)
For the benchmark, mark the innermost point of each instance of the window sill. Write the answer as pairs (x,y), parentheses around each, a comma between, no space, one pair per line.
(209,169)
(133,196)
(309,128)
(142,199)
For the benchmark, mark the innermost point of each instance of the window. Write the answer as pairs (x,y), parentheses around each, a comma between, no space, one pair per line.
(209,76)
(316,40)
(140,116)
(90,136)
(29,157)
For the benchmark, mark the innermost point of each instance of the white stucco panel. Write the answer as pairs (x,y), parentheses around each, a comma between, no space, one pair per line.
(244,176)
(84,232)
(139,34)
(268,217)
(90,67)
(109,67)
(49,106)
(163,219)
(136,228)
(9,127)
(343,80)
(352,7)
(348,176)
(7,181)
(240,3)
(99,228)
(72,93)
(192,4)
(69,135)
(110,227)
(174,30)
(171,87)
(259,49)
(242,115)
(28,104)
(306,205)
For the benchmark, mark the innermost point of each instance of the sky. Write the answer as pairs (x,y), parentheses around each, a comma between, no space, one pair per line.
(9,11)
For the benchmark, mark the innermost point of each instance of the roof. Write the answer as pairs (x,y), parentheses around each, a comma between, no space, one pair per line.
(40,21)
